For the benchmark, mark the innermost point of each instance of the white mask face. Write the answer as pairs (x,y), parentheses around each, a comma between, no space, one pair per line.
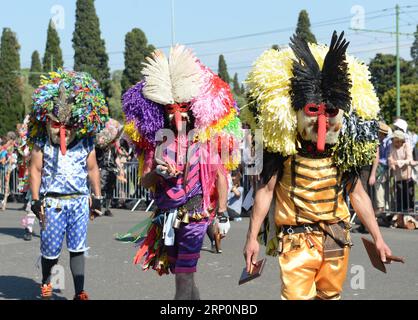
(308,127)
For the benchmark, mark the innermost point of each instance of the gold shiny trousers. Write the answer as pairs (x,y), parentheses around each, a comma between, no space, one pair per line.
(304,273)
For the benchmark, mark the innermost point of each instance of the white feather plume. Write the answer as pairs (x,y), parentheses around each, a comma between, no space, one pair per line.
(185,74)
(173,80)
(156,71)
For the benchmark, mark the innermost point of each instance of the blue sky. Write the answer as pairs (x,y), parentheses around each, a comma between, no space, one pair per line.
(256,25)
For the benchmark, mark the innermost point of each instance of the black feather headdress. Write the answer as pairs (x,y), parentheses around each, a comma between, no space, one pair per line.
(331,85)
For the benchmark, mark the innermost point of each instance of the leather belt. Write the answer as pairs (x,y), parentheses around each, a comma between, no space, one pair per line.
(307,227)
(194,204)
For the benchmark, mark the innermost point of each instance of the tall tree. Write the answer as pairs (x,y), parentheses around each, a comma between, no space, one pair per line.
(89,48)
(414,50)
(136,49)
(236,87)
(223,69)
(11,103)
(383,72)
(242,89)
(53,54)
(27,91)
(303,27)
(275,47)
(409,103)
(115,102)
(35,70)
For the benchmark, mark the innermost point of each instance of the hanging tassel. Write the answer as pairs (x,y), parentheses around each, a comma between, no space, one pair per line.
(142,229)
(149,241)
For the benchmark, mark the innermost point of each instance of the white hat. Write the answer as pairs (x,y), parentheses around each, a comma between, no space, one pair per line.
(401,124)
(398,134)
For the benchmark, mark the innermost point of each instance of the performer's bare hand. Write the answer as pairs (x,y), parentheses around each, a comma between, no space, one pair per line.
(172,170)
(167,170)
(383,250)
(372,180)
(252,247)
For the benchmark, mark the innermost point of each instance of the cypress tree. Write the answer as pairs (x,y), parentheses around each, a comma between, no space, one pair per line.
(236,86)
(242,89)
(35,69)
(136,49)
(89,48)
(115,102)
(303,27)
(53,54)
(414,53)
(11,103)
(223,69)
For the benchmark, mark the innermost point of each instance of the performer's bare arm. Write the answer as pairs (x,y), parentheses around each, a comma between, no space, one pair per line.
(150,176)
(363,206)
(222,187)
(35,172)
(94,174)
(372,178)
(262,201)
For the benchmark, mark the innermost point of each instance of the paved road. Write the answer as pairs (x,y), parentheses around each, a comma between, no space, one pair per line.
(110,273)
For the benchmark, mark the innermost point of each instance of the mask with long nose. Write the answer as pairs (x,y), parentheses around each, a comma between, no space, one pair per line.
(177,114)
(59,127)
(320,96)
(320,124)
(60,134)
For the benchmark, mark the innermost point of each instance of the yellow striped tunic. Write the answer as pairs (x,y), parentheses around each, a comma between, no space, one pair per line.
(310,191)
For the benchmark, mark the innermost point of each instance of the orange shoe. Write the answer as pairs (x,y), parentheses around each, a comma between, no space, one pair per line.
(81,296)
(46,291)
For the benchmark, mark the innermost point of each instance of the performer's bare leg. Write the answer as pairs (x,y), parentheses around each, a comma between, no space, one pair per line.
(184,286)
(195,291)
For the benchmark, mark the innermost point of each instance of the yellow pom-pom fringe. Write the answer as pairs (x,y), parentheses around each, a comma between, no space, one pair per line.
(269,86)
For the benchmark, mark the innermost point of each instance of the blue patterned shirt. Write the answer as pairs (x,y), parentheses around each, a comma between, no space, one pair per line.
(66,174)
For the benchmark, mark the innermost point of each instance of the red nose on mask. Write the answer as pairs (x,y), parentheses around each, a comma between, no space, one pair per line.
(177,120)
(322,132)
(322,113)
(62,128)
(177,110)
(63,145)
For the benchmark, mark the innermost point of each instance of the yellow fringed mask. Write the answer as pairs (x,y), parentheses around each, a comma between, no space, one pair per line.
(314,91)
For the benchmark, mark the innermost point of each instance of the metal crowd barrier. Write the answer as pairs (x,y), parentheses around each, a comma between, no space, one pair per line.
(13,181)
(130,189)
(399,196)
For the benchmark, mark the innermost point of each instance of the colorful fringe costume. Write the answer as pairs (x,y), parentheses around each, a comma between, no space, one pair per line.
(64,177)
(175,88)
(69,109)
(318,111)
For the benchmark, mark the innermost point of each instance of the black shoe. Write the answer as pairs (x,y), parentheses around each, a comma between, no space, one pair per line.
(212,246)
(108,213)
(28,235)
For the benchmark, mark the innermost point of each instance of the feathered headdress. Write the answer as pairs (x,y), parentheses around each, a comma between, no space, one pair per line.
(282,82)
(173,80)
(181,78)
(68,97)
(310,84)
